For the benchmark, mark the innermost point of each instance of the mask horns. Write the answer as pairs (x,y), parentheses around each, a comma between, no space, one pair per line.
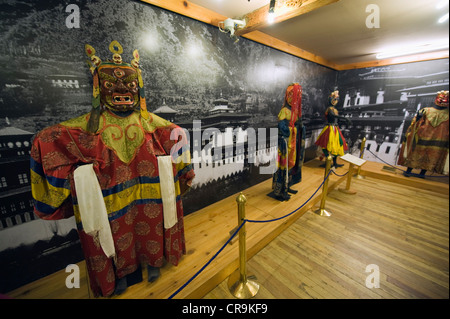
(143,104)
(93,63)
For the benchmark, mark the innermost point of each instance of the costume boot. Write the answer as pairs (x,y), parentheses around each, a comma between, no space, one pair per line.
(408,172)
(153,273)
(422,173)
(335,164)
(121,285)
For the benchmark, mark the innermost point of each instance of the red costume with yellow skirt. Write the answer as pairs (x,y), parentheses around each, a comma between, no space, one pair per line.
(331,139)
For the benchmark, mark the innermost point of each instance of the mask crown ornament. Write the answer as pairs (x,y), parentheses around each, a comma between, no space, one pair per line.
(117,50)
(117,85)
(441,98)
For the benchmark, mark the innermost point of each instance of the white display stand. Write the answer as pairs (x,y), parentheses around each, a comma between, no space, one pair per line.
(353,161)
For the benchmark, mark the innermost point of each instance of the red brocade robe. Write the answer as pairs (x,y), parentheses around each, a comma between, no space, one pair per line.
(427,141)
(124,155)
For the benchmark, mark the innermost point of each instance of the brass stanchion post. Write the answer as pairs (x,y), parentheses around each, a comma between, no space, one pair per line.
(321,211)
(347,189)
(243,288)
(361,154)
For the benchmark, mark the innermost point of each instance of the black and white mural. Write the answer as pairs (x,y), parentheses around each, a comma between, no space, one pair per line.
(382,101)
(193,74)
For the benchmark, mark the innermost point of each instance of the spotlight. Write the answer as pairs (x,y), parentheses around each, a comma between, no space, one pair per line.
(271,16)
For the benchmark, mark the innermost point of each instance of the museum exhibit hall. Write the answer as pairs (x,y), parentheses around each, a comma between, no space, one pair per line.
(224,152)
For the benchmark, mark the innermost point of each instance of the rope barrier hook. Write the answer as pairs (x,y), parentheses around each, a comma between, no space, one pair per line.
(243,288)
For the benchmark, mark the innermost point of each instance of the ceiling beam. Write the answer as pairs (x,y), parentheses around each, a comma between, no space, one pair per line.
(199,13)
(275,43)
(202,14)
(189,9)
(284,10)
(397,60)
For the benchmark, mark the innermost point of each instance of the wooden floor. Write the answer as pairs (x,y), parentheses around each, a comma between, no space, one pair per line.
(314,257)
(403,231)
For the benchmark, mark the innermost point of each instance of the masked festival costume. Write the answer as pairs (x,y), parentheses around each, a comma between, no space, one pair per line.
(426,145)
(291,143)
(331,139)
(120,171)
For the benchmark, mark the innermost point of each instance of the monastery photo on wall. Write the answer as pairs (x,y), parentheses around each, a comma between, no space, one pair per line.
(191,72)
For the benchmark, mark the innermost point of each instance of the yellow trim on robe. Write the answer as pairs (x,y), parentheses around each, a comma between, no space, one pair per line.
(120,200)
(46,193)
(285,114)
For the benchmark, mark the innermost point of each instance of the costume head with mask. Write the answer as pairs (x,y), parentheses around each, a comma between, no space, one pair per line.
(441,99)
(333,99)
(293,99)
(117,85)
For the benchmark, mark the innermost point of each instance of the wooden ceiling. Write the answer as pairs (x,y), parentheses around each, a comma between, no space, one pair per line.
(339,34)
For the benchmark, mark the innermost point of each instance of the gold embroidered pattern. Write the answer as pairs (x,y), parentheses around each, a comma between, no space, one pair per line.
(152,210)
(131,215)
(142,228)
(50,135)
(125,241)
(54,161)
(159,262)
(97,263)
(152,247)
(123,174)
(114,226)
(159,229)
(146,168)
(120,262)
(87,140)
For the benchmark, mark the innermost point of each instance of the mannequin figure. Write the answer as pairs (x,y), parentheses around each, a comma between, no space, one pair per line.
(121,172)
(291,144)
(426,141)
(331,139)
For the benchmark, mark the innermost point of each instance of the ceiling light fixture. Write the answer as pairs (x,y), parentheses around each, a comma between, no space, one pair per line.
(271,16)
(443,18)
(412,50)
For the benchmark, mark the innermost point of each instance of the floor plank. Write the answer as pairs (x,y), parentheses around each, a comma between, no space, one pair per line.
(306,255)
(402,230)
